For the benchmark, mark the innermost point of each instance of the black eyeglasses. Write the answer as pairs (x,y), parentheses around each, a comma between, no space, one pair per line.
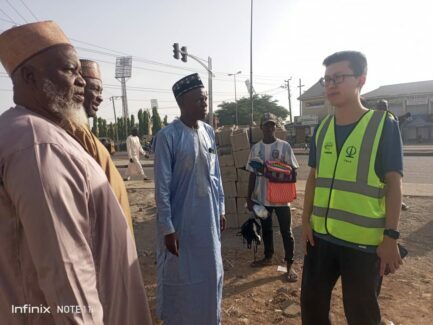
(336,80)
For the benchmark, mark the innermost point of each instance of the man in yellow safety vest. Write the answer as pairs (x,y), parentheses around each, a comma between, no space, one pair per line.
(352,199)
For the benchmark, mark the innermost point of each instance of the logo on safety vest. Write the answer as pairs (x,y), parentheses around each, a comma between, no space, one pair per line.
(328,147)
(350,152)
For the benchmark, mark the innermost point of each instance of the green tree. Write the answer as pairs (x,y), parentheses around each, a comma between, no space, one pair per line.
(140,122)
(104,130)
(127,128)
(95,126)
(100,127)
(156,121)
(131,123)
(121,127)
(146,122)
(110,131)
(262,104)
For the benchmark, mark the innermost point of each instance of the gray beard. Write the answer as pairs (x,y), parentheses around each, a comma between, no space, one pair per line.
(63,104)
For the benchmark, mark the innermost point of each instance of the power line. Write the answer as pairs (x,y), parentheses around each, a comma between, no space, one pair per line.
(17,12)
(7,21)
(31,12)
(139,67)
(115,53)
(160,90)
(99,47)
(135,58)
(7,16)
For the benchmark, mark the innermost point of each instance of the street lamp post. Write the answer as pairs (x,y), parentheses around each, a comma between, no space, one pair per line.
(112,98)
(236,99)
(251,66)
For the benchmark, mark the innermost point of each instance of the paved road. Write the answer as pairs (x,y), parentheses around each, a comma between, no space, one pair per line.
(416,169)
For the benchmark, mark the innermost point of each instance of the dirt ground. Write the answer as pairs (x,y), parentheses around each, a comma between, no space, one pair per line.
(261,296)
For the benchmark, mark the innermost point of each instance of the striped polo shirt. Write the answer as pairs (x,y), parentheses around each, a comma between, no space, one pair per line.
(280,151)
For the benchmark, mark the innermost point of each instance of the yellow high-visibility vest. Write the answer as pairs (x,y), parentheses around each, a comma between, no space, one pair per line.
(349,197)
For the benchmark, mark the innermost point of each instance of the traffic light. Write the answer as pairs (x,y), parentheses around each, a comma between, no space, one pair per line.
(176,51)
(184,53)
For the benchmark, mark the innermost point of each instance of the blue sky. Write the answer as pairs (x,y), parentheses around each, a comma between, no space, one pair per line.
(291,39)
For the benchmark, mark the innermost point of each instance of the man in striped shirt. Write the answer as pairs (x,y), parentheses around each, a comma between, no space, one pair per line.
(271,148)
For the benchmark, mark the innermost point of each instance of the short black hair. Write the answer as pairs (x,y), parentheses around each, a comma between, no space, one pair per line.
(357,61)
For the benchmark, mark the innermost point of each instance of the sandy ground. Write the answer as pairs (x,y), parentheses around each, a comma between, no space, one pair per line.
(261,296)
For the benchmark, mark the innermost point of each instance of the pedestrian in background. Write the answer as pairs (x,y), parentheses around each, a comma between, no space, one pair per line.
(133,147)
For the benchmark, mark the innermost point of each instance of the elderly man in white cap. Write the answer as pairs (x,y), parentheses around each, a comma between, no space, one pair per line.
(66,253)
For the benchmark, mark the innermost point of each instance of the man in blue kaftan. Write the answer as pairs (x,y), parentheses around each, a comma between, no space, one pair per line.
(190,213)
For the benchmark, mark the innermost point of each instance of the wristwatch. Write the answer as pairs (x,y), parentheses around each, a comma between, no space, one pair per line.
(394,234)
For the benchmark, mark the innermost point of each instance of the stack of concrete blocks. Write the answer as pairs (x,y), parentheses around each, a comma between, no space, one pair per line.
(233,151)
(241,150)
(228,173)
(255,134)
(234,143)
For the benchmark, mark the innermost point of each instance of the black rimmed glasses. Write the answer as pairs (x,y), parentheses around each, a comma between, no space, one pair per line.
(336,80)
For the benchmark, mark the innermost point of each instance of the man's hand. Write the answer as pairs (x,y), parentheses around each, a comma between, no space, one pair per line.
(222,222)
(389,256)
(130,160)
(250,204)
(172,244)
(306,237)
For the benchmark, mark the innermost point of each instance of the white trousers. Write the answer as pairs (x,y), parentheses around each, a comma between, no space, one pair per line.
(134,168)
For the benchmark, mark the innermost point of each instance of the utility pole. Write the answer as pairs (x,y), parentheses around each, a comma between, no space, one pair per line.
(300,93)
(251,66)
(112,98)
(209,69)
(236,99)
(287,85)
(184,52)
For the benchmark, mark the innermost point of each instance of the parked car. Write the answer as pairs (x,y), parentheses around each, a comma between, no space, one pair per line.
(109,144)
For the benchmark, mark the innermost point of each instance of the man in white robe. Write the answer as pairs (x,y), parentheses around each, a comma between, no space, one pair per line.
(190,213)
(133,147)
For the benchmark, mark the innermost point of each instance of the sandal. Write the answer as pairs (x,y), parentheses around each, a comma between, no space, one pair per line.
(263,262)
(291,276)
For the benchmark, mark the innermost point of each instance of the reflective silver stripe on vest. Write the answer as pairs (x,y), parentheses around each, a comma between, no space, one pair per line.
(358,187)
(352,218)
(320,139)
(367,147)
